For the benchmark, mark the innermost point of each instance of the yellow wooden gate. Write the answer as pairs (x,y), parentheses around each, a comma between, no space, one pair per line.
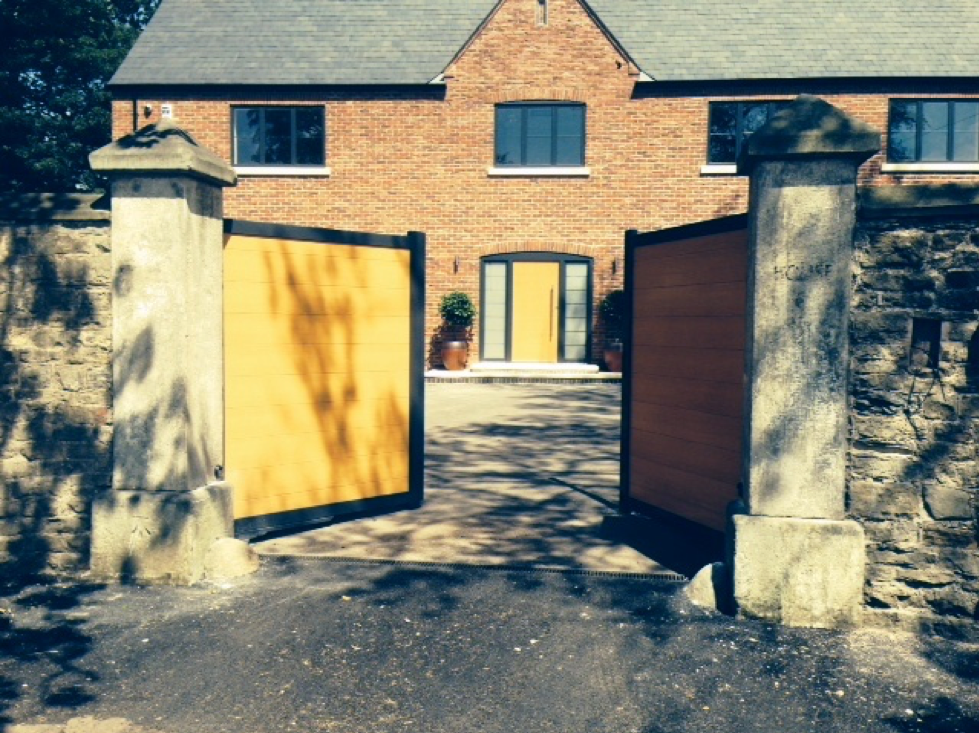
(683,384)
(324,373)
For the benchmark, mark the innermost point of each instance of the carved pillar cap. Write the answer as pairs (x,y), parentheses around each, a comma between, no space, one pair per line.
(810,128)
(162,148)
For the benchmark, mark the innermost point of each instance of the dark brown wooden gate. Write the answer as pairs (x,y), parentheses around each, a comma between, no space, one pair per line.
(683,381)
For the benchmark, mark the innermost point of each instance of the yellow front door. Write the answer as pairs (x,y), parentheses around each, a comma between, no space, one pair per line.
(535,311)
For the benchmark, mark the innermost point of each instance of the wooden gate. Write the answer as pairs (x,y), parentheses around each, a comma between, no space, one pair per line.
(324,373)
(683,383)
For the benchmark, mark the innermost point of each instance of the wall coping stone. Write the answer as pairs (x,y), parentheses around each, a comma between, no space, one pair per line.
(54,207)
(810,127)
(919,200)
(162,147)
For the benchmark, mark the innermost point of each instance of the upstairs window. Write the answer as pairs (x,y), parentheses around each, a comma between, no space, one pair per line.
(732,123)
(540,134)
(933,130)
(279,136)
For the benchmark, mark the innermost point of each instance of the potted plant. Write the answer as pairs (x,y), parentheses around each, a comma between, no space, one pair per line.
(611,310)
(458,313)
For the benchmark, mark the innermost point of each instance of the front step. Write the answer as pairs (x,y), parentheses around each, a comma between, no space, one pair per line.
(496,372)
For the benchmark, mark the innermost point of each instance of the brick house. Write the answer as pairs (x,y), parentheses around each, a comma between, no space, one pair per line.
(526,136)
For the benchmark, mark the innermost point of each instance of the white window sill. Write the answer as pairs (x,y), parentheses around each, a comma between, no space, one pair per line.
(930,168)
(282,170)
(552,171)
(718,169)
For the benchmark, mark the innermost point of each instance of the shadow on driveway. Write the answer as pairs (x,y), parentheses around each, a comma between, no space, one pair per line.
(516,475)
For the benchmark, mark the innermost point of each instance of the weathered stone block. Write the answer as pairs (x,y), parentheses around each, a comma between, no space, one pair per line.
(965,257)
(926,576)
(948,535)
(896,536)
(894,431)
(969,405)
(896,249)
(955,353)
(938,410)
(954,601)
(890,383)
(879,466)
(801,572)
(872,402)
(158,537)
(964,561)
(882,280)
(877,500)
(878,327)
(67,543)
(230,558)
(888,352)
(893,595)
(962,330)
(949,502)
(964,472)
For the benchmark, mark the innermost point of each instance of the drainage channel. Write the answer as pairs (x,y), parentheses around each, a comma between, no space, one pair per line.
(665,576)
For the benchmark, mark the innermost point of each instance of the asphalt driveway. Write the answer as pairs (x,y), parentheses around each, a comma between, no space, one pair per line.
(353,648)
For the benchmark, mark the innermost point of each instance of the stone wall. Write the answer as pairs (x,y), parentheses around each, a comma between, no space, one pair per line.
(913,469)
(55,379)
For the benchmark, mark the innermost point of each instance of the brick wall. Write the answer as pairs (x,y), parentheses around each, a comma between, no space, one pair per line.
(55,379)
(418,160)
(914,464)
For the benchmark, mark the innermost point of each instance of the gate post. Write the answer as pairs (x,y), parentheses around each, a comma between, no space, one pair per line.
(168,503)
(795,558)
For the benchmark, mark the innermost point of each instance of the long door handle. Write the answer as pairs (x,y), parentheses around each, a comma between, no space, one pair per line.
(550,322)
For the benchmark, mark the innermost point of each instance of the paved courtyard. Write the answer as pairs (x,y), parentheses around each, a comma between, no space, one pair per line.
(516,475)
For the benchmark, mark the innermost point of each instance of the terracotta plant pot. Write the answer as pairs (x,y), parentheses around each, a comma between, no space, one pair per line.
(455,354)
(613,358)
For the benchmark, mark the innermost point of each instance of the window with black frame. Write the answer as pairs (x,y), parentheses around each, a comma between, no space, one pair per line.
(279,136)
(732,123)
(933,130)
(540,134)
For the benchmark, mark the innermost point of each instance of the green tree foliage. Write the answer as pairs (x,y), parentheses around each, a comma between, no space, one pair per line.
(55,59)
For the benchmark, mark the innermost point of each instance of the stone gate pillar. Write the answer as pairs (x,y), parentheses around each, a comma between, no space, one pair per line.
(795,558)
(168,503)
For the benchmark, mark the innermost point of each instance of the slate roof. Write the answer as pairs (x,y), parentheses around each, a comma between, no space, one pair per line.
(686,40)
(301,41)
(278,42)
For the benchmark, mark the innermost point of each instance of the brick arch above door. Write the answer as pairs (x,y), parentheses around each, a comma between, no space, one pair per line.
(503,248)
